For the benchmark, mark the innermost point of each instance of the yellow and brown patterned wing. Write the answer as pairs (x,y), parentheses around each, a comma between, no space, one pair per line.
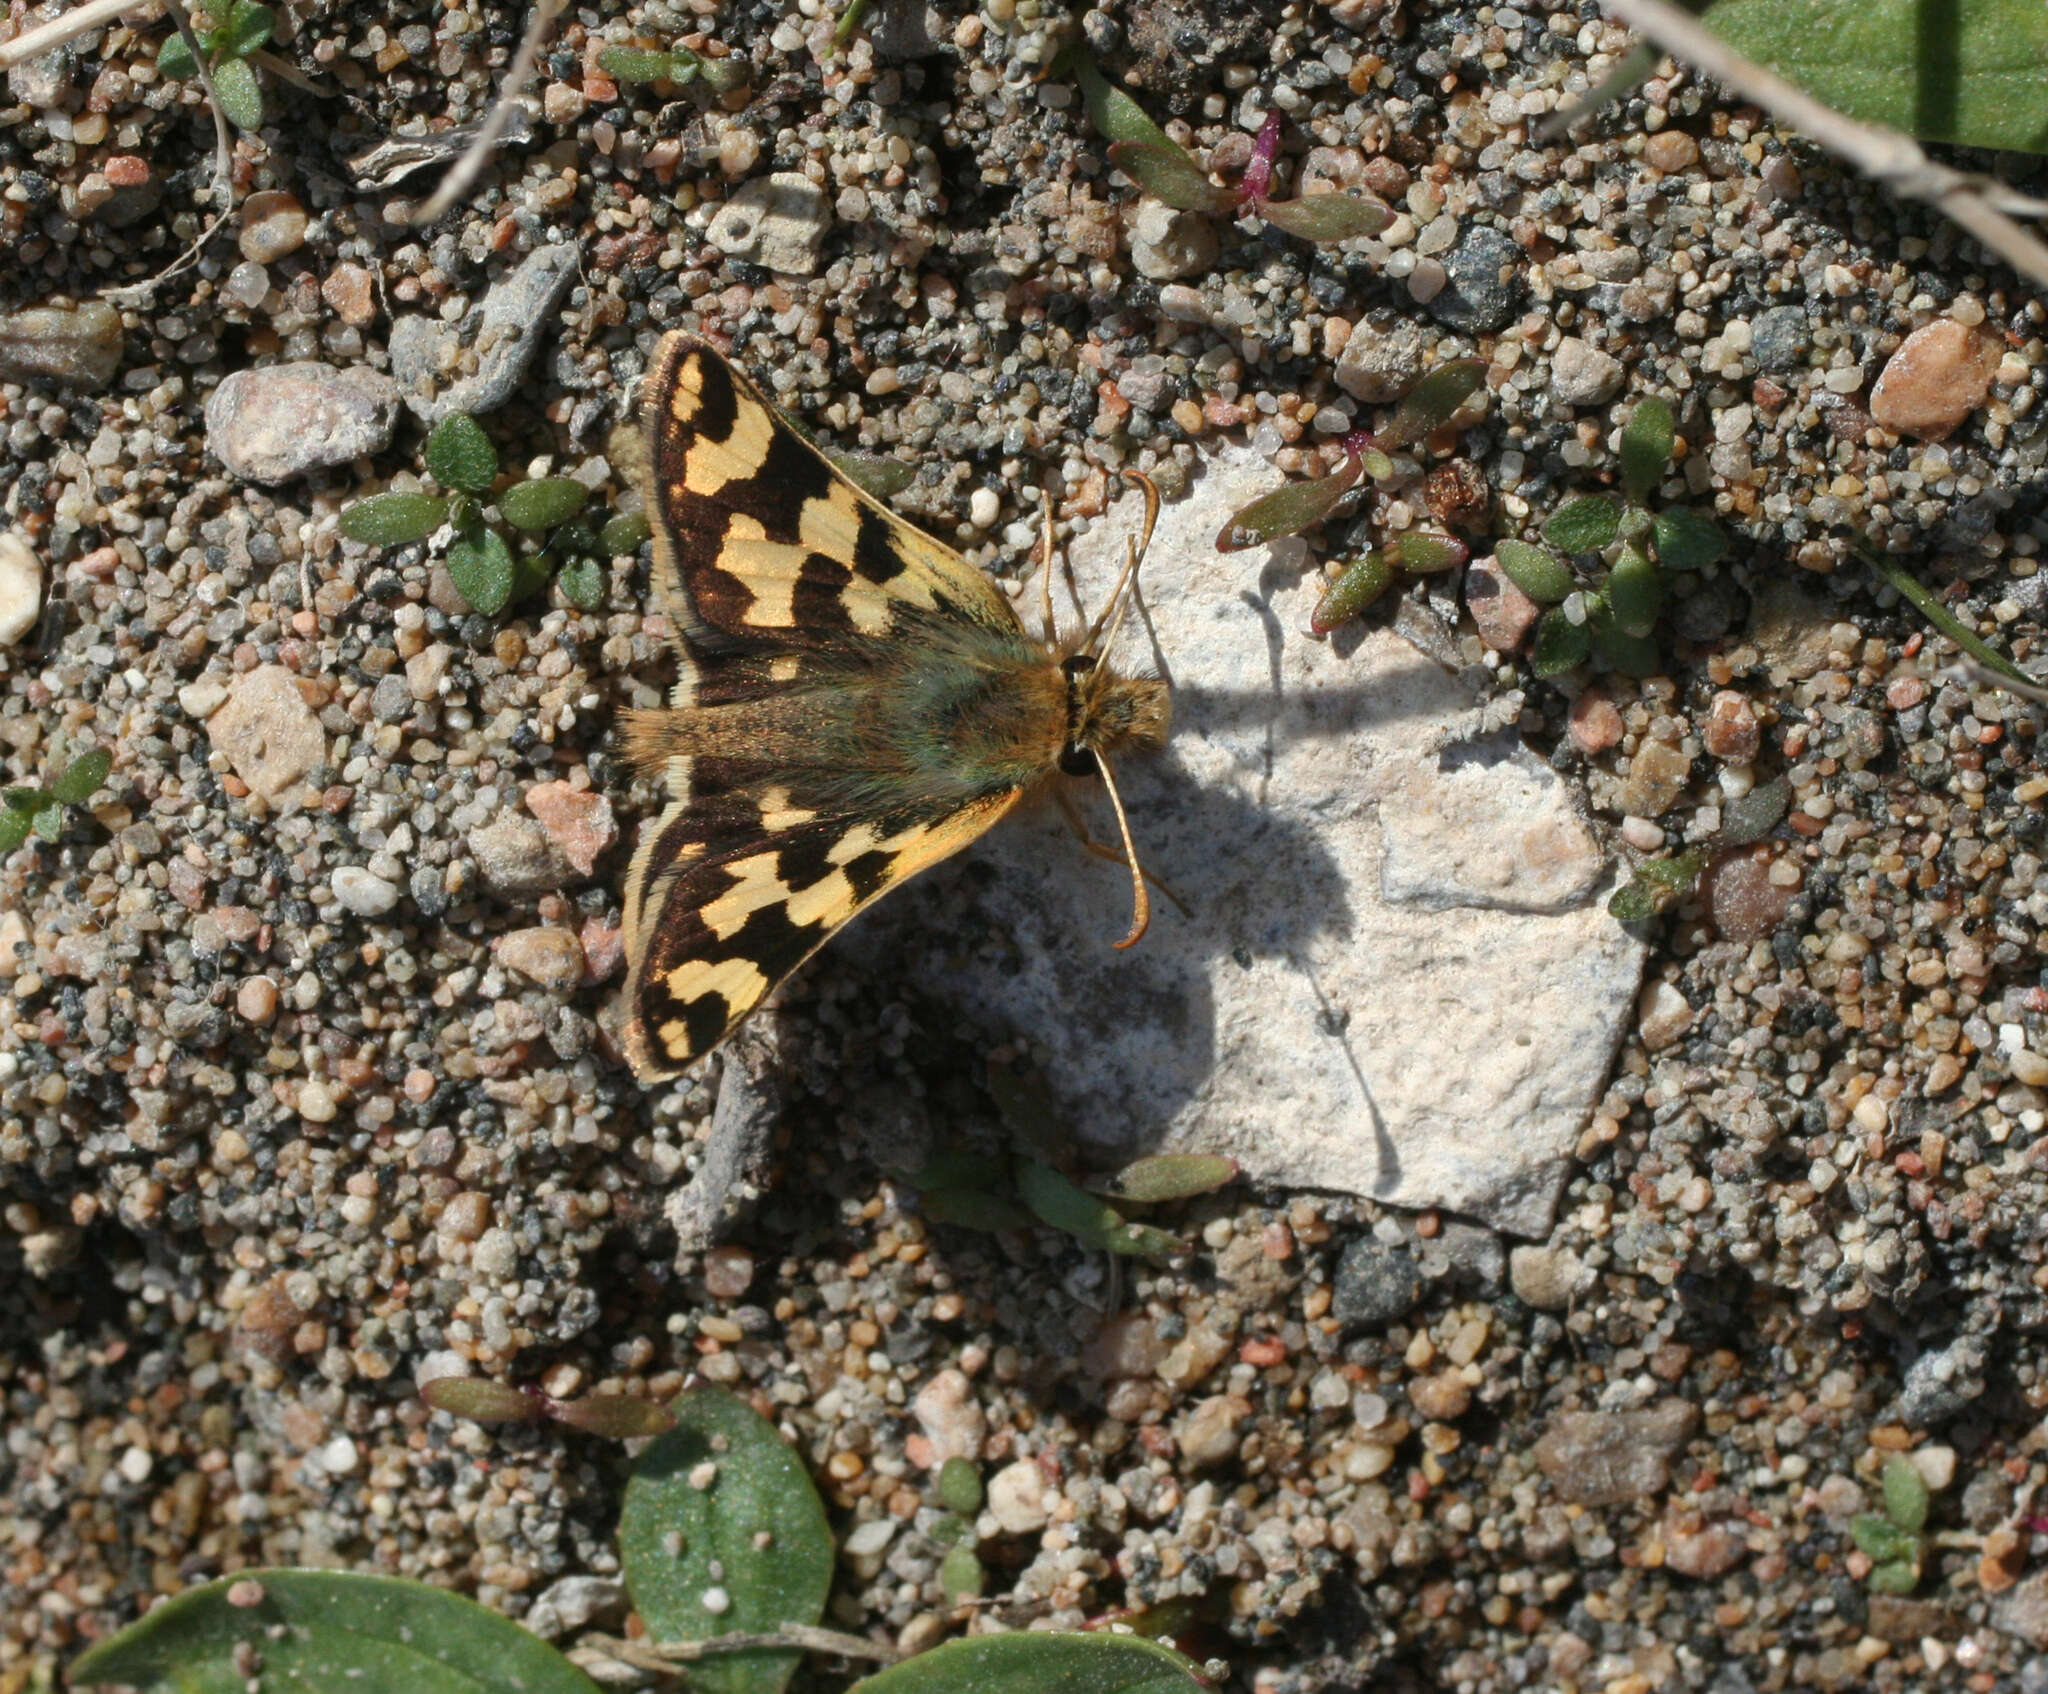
(737,886)
(760,543)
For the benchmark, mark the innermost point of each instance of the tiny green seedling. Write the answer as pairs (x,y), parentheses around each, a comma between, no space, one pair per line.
(675,65)
(1895,1543)
(39,811)
(488,573)
(1637,546)
(228,38)
(1170,174)
(1661,882)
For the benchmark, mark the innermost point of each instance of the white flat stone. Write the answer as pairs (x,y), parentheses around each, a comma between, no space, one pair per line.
(1398,979)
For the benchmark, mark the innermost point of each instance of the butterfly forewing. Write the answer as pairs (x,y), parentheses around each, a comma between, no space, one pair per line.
(802,609)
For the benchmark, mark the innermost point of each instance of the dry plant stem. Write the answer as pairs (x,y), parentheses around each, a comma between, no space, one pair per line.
(223,138)
(44,37)
(1883,155)
(808,1638)
(456,183)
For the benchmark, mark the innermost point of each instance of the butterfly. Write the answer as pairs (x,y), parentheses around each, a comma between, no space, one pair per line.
(854,703)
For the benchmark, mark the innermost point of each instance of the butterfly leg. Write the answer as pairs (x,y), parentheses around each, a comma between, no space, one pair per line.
(1103,850)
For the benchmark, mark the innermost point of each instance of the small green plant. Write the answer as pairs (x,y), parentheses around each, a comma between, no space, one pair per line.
(228,38)
(488,572)
(1637,546)
(1895,1543)
(1170,174)
(1659,883)
(677,65)
(39,811)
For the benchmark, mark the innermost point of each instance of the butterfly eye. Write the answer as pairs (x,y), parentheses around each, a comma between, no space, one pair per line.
(1079,664)
(1078,761)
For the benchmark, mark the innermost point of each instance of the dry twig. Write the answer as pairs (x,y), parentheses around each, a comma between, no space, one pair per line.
(456,183)
(46,38)
(670,1655)
(1883,155)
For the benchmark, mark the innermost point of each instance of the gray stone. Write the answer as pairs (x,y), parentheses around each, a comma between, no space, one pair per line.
(1582,375)
(79,346)
(44,81)
(1378,366)
(574,1603)
(1606,1458)
(271,737)
(514,856)
(1780,339)
(1166,244)
(740,1153)
(1940,1384)
(1549,1278)
(362,892)
(778,222)
(1376,1285)
(474,365)
(1484,283)
(391,700)
(1398,979)
(278,422)
(21,587)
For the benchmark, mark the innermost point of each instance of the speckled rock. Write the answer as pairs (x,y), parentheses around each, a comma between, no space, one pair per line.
(1016,1498)
(1378,366)
(1937,378)
(1602,1458)
(1582,375)
(1549,1278)
(1166,244)
(364,893)
(277,422)
(21,587)
(551,957)
(579,822)
(79,346)
(1483,282)
(1503,614)
(272,738)
(514,856)
(778,222)
(1781,338)
(1377,1284)
(474,365)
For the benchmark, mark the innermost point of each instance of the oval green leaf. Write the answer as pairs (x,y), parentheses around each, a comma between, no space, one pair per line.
(1583,525)
(1170,175)
(1536,571)
(722,1533)
(393,520)
(1561,645)
(1880,1539)
(1676,872)
(624,533)
(1687,540)
(617,1417)
(1635,592)
(1905,1494)
(1115,115)
(1423,552)
(481,1400)
(1033,1663)
(873,473)
(1066,1206)
(15,824)
(1646,441)
(241,95)
(1434,401)
(1288,510)
(1329,217)
(1633,902)
(641,64)
(460,456)
(48,823)
(82,777)
(582,584)
(543,502)
(482,567)
(175,59)
(319,1629)
(1358,585)
(1171,1176)
(249,27)
(959,1486)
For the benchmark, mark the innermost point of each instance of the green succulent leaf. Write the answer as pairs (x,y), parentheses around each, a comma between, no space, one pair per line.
(959,1486)
(81,778)
(1142,1241)
(643,64)
(1289,509)
(26,799)
(324,1629)
(460,456)
(1755,814)
(1635,591)
(973,1208)
(1170,175)
(1536,571)
(1170,1176)
(723,1533)
(1675,872)
(1329,217)
(393,520)
(175,59)
(1905,1494)
(1115,115)
(1424,552)
(1899,1576)
(1687,540)
(241,95)
(1635,901)
(483,569)
(14,828)
(1434,401)
(543,502)
(1066,1206)
(531,572)
(582,584)
(623,534)
(481,1400)
(1357,586)
(1561,645)
(1646,441)
(961,1573)
(48,823)
(721,76)
(873,473)
(248,27)
(1584,525)
(1880,1539)
(1038,1663)
(617,1417)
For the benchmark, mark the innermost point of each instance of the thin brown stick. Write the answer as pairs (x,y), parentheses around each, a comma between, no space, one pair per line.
(466,169)
(223,137)
(1883,155)
(34,43)
(807,1638)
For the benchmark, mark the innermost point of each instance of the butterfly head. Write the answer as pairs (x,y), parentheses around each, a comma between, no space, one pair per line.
(1107,712)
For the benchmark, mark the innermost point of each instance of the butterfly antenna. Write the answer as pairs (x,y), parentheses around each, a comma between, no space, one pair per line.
(1120,598)
(1045,568)
(1141,901)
